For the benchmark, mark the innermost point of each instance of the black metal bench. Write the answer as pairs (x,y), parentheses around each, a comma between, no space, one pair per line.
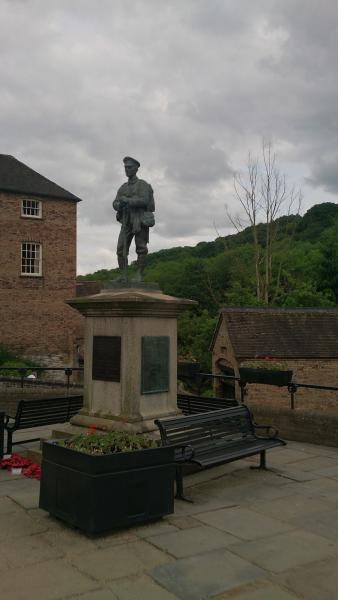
(191,405)
(214,438)
(36,413)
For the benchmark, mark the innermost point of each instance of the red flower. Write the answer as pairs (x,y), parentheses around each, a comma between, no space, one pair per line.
(29,469)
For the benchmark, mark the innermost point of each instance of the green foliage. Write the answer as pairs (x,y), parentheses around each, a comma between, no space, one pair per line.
(10,360)
(5,355)
(304,273)
(316,220)
(108,443)
(267,364)
(195,331)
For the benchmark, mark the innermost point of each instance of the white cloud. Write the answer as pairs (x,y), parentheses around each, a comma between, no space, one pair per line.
(186,87)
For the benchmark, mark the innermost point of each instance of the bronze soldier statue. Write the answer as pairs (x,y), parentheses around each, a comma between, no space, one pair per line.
(134,205)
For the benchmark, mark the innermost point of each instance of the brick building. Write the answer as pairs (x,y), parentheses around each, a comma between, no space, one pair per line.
(304,339)
(37,266)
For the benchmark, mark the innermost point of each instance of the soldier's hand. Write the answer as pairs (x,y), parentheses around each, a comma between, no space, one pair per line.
(124,201)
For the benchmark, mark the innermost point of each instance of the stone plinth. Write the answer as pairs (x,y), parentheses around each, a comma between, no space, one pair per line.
(130,360)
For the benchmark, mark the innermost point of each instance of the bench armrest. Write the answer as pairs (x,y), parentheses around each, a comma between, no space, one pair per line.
(186,452)
(270,431)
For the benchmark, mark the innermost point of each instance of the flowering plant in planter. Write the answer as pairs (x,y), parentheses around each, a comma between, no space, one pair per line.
(268,363)
(100,481)
(269,370)
(109,443)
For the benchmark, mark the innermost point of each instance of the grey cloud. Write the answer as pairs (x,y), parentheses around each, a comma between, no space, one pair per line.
(187,87)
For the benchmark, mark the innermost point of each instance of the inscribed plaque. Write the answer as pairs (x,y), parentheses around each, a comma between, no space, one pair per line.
(155,364)
(106,358)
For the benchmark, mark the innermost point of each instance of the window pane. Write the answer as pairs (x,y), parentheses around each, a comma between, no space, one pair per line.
(30,258)
(31,208)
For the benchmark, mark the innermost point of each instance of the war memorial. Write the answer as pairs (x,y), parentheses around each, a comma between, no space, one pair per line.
(250,534)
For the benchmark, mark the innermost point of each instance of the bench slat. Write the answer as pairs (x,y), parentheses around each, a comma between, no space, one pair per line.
(216,437)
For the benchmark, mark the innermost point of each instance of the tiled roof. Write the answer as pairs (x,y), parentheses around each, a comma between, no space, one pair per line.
(16,177)
(282,333)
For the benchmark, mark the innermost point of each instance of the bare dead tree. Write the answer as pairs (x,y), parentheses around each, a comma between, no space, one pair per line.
(263,194)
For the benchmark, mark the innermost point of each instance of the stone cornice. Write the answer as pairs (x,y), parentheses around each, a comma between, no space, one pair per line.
(131,303)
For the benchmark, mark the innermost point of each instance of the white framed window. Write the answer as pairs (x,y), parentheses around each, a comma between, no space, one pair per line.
(31,256)
(31,208)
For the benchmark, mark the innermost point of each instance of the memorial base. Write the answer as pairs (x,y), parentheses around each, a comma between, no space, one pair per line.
(120,423)
(130,360)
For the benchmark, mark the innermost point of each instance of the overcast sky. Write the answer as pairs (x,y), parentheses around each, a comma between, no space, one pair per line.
(188,87)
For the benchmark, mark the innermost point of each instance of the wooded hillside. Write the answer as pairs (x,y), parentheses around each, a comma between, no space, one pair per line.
(304,271)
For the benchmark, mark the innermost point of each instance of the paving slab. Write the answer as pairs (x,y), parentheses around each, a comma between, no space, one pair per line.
(231,492)
(157,528)
(324,487)
(201,502)
(69,542)
(115,538)
(120,561)
(140,587)
(31,549)
(100,594)
(205,475)
(18,524)
(286,455)
(324,523)
(314,582)
(260,591)
(27,498)
(51,580)
(243,523)
(16,484)
(313,449)
(294,474)
(8,506)
(187,542)
(314,463)
(328,471)
(6,475)
(205,575)
(183,522)
(291,507)
(287,550)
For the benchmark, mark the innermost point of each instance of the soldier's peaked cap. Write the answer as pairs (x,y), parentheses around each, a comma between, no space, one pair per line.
(130,159)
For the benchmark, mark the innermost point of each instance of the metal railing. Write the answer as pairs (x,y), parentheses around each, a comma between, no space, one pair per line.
(197,379)
(292,387)
(25,380)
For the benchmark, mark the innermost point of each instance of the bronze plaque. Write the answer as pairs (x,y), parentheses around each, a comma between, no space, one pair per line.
(106,358)
(155,364)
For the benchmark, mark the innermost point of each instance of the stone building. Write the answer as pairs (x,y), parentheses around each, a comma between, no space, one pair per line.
(37,266)
(304,339)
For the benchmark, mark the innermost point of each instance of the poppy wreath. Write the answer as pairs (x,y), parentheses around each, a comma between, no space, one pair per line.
(29,469)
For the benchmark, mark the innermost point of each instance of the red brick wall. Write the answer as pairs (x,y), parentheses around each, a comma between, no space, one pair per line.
(34,317)
(310,371)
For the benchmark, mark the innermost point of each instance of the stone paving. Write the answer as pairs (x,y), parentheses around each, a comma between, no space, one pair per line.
(249,535)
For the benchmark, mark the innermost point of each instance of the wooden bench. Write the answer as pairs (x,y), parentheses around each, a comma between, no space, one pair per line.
(213,438)
(191,405)
(36,413)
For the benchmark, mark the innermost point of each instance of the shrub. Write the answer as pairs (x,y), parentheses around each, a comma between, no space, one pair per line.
(108,443)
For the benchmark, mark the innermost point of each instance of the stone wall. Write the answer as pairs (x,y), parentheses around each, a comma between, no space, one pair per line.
(299,425)
(35,321)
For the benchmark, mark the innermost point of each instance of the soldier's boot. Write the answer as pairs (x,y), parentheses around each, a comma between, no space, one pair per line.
(123,264)
(141,263)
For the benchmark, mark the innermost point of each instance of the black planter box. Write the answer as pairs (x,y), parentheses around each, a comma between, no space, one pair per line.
(267,376)
(99,493)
